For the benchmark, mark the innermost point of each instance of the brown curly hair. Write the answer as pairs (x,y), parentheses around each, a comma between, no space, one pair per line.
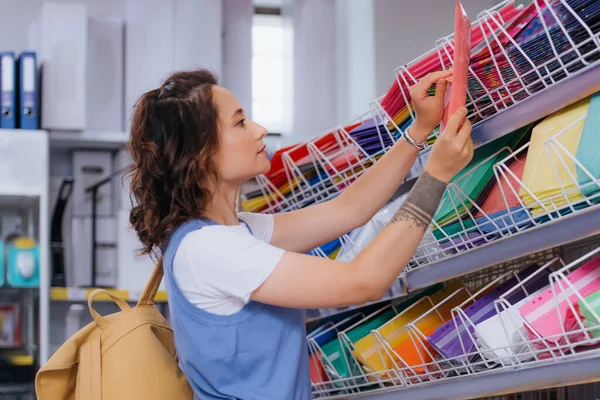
(174,135)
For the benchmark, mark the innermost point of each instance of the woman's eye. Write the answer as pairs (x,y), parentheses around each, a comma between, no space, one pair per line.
(242,122)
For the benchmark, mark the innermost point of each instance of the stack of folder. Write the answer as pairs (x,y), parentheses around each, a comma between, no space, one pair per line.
(513,54)
(548,315)
(540,174)
(588,308)
(395,331)
(453,340)
(18,91)
(475,181)
(508,49)
(588,152)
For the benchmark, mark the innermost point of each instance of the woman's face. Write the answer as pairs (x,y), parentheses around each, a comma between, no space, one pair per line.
(241,155)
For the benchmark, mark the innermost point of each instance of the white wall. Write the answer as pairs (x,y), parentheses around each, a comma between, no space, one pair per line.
(314,67)
(370,39)
(406,29)
(167,35)
(237,50)
(355,57)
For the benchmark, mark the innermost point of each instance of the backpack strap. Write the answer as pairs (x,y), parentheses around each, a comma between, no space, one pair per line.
(100,321)
(151,288)
(89,384)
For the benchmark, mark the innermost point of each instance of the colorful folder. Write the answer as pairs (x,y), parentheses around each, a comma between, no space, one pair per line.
(588,151)
(540,175)
(460,67)
(396,334)
(474,179)
(447,338)
(592,302)
(543,315)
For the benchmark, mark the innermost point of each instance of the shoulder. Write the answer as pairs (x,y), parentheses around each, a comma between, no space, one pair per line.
(261,225)
(218,267)
(226,248)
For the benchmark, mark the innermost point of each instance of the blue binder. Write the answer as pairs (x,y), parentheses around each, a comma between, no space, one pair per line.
(27,96)
(7,91)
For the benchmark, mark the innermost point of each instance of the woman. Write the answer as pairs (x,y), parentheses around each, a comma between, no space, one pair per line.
(238,283)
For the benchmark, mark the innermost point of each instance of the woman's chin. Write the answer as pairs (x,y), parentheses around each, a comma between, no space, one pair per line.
(265,166)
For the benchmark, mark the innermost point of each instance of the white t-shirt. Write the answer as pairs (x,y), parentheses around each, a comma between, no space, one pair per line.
(218,267)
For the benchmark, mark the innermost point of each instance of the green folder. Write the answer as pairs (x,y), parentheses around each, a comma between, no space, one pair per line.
(588,151)
(334,351)
(475,183)
(592,324)
(593,301)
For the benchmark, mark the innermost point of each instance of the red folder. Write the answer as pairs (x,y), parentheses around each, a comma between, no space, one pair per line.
(460,69)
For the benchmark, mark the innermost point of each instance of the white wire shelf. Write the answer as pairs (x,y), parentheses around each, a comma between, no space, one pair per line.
(567,229)
(564,230)
(534,337)
(544,375)
(582,84)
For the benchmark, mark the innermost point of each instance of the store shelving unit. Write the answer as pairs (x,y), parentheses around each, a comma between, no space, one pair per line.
(74,294)
(562,230)
(87,140)
(16,389)
(24,161)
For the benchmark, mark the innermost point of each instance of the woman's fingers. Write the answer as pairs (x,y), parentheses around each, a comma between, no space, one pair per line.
(421,87)
(455,121)
(433,77)
(440,89)
(464,133)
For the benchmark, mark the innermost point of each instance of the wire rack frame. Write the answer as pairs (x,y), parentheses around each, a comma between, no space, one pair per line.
(567,200)
(560,65)
(401,376)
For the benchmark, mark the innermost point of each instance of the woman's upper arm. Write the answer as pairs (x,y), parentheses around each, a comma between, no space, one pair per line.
(307,228)
(231,264)
(303,281)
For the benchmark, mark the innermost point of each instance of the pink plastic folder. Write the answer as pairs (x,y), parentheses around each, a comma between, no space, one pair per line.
(541,312)
(460,72)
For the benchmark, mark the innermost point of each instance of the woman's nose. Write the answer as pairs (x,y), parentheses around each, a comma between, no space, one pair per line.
(260,131)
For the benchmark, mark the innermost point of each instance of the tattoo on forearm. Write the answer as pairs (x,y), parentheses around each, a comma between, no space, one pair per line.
(422,201)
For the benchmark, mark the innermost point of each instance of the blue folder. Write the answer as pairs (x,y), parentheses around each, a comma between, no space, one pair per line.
(27,117)
(588,151)
(7,91)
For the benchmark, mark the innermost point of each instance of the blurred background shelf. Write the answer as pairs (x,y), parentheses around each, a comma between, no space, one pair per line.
(15,389)
(81,294)
(105,140)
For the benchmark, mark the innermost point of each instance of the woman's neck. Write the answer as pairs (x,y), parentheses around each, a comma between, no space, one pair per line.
(222,206)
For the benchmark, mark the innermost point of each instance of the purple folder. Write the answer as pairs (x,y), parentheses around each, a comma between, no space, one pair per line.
(474,238)
(367,137)
(446,338)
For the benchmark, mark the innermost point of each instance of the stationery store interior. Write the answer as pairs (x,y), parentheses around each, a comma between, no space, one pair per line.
(501,298)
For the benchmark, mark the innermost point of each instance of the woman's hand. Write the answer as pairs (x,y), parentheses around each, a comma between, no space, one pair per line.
(453,149)
(429,109)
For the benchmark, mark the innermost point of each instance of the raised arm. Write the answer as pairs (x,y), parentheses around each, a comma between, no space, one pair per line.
(303,281)
(307,228)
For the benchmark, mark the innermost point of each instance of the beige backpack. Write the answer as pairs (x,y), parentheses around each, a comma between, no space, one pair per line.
(127,355)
